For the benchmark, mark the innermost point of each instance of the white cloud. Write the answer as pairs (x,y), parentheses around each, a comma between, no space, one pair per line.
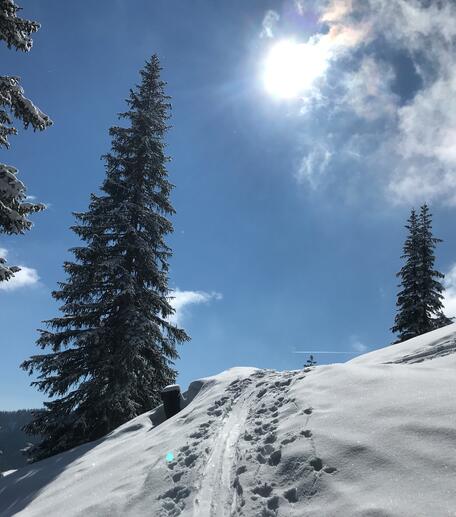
(414,156)
(368,91)
(426,138)
(449,301)
(183,299)
(421,142)
(26,277)
(336,10)
(270,20)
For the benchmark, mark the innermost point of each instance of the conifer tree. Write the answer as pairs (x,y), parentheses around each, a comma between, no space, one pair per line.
(431,279)
(419,302)
(14,209)
(310,362)
(112,351)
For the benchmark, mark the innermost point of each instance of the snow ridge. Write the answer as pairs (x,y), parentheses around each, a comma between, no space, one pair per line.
(441,349)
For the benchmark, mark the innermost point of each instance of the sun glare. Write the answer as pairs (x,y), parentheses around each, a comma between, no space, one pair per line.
(290,68)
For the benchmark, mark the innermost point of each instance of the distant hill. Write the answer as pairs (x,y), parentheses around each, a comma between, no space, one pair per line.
(13,439)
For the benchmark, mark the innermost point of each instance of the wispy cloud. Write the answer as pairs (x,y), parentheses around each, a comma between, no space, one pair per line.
(270,20)
(367,90)
(313,165)
(357,345)
(182,301)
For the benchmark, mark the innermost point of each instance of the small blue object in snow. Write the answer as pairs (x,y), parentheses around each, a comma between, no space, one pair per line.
(170,457)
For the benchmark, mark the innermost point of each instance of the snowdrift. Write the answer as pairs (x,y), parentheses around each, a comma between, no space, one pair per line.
(372,437)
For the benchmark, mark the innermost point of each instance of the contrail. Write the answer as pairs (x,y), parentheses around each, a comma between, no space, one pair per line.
(321,352)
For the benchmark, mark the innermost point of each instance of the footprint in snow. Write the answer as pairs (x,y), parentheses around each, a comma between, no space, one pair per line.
(190,460)
(261,393)
(174,500)
(316,463)
(263,490)
(177,476)
(270,438)
(275,457)
(291,495)
(288,439)
(273,503)
(240,470)
(214,412)
(176,493)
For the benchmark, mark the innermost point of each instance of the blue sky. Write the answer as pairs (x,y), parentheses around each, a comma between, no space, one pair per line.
(290,212)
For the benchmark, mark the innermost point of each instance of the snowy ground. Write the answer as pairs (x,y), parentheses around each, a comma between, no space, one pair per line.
(372,437)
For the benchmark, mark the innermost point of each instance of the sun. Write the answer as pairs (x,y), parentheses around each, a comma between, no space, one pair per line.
(290,68)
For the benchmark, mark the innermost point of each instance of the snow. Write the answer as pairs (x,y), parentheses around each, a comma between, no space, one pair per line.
(171,387)
(12,95)
(371,437)
(10,186)
(7,472)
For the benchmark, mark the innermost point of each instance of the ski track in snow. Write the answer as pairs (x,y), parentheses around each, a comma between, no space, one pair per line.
(245,438)
(214,496)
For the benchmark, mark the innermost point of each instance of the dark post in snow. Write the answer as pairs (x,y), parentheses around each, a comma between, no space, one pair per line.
(171,396)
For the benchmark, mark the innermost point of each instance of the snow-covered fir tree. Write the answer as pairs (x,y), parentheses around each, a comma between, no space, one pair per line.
(112,351)
(431,279)
(407,321)
(419,301)
(14,209)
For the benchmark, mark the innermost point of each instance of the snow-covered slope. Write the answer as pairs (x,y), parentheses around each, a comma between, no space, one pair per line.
(372,437)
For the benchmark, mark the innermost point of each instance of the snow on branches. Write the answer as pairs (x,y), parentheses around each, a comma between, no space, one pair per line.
(12,99)
(14,208)
(14,30)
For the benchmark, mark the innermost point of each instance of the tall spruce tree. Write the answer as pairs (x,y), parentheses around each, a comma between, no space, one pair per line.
(419,302)
(114,346)
(14,208)
(431,279)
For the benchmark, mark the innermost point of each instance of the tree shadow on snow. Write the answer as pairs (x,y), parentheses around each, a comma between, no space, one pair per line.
(20,488)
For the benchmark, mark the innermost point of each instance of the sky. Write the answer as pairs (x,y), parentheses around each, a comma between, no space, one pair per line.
(303,132)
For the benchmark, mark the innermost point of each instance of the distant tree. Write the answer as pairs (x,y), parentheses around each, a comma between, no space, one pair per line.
(419,301)
(310,362)
(431,279)
(14,209)
(113,348)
